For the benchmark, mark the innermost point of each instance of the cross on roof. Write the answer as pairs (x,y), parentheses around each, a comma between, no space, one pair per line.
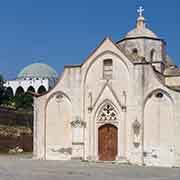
(140,11)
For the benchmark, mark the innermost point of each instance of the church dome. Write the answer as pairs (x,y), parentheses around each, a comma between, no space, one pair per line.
(37,70)
(144,32)
(141,30)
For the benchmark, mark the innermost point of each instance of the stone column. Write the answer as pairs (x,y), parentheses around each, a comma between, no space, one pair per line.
(78,130)
(35,126)
(122,137)
(122,130)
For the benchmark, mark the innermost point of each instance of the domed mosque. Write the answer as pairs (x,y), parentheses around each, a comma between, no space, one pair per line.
(35,78)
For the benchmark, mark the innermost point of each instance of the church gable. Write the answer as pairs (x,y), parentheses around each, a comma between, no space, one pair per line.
(107,67)
(106,47)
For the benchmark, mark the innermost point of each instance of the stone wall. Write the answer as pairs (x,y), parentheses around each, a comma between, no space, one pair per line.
(15,130)
(24,142)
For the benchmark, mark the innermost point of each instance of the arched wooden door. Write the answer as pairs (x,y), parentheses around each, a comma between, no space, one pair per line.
(107,142)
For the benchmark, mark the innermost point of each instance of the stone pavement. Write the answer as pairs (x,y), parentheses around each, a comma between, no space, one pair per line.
(23,168)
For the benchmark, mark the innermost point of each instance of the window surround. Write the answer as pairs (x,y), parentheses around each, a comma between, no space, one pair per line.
(107,69)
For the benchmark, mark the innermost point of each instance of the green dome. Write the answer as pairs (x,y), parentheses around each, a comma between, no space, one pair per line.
(37,70)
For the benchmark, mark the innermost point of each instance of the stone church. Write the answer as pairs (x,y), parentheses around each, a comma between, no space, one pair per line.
(121,104)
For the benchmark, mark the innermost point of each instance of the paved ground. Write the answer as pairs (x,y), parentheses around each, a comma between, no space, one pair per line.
(23,168)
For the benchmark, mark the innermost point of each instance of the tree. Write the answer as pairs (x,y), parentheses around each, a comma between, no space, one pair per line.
(1,81)
(2,89)
(23,101)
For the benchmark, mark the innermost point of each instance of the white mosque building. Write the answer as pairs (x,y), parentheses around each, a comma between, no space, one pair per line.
(36,78)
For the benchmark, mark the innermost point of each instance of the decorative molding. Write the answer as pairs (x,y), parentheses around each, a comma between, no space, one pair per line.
(63,150)
(77,143)
(136,130)
(99,95)
(123,106)
(59,98)
(90,102)
(78,123)
(136,127)
(90,109)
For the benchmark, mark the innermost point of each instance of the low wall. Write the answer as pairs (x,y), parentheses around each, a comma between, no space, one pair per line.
(24,142)
(16,130)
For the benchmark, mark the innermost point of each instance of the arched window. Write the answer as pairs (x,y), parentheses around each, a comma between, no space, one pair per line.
(107,69)
(135,52)
(31,89)
(41,90)
(153,55)
(19,91)
(107,114)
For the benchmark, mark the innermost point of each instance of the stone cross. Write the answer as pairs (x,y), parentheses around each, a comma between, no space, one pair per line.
(140,11)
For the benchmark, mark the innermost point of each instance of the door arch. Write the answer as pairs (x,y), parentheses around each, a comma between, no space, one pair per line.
(107,142)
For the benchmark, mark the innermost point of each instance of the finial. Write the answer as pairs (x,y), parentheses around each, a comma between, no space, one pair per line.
(140,11)
(140,20)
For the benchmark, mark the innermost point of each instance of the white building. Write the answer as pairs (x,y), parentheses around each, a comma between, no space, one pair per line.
(36,78)
(121,104)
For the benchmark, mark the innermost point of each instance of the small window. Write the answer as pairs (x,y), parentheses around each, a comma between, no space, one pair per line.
(107,69)
(153,55)
(159,95)
(135,52)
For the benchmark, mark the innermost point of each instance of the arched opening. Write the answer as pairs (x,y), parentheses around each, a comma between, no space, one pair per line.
(31,89)
(19,91)
(107,142)
(60,104)
(9,92)
(158,118)
(41,90)
(135,52)
(153,55)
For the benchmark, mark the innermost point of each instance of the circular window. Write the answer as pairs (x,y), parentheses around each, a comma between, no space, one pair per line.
(159,95)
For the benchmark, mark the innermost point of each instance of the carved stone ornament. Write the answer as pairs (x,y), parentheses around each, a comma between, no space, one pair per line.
(136,127)
(107,114)
(78,123)
(136,130)
(90,102)
(59,98)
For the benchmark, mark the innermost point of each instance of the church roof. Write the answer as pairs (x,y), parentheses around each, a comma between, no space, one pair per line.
(142,32)
(172,71)
(37,70)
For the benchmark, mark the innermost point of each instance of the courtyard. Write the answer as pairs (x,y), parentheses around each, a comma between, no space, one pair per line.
(23,167)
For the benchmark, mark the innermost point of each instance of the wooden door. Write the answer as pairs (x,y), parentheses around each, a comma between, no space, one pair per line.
(107,146)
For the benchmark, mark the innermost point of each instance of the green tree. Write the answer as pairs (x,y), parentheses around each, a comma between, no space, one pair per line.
(2,89)
(23,102)
(1,81)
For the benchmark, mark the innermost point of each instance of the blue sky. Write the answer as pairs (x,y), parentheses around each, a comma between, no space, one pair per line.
(60,32)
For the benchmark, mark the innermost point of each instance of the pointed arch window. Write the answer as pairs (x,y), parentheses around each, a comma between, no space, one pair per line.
(107,114)
(107,69)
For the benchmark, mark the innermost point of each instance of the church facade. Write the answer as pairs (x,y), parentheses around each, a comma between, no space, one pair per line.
(121,104)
